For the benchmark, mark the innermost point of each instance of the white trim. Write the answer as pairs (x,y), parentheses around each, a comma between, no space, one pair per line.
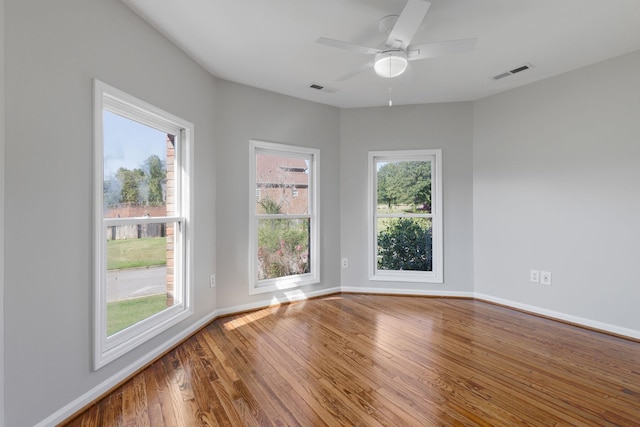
(288,296)
(436,216)
(407,292)
(295,281)
(120,102)
(556,315)
(109,348)
(2,210)
(89,397)
(281,216)
(298,295)
(126,340)
(142,220)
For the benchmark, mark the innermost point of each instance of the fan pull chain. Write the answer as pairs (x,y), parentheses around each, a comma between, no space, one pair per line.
(390,102)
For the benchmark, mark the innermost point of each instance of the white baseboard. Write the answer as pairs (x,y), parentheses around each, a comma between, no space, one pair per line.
(299,295)
(87,398)
(416,292)
(289,296)
(581,321)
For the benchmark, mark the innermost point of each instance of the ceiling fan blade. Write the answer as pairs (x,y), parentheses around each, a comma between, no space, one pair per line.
(435,49)
(407,24)
(348,46)
(365,67)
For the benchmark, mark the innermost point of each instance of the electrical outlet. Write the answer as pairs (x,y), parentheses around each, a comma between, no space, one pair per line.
(345,262)
(212,281)
(534,276)
(545,277)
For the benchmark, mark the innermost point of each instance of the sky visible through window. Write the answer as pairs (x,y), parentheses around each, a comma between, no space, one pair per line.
(128,143)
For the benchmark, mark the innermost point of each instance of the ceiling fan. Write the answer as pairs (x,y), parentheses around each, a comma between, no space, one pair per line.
(391,60)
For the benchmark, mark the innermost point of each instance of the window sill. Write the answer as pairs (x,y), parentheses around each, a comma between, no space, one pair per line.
(402,276)
(283,283)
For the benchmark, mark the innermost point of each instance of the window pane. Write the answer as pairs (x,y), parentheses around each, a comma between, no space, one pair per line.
(282,183)
(403,186)
(140,263)
(138,163)
(404,244)
(283,247)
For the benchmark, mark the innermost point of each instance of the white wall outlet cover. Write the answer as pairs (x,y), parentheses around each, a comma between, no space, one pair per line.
(545,277)
(534,276)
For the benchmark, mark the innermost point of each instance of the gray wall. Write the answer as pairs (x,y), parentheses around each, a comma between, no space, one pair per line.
(49,184)
(539,177)
(445,126)
(244,113)
(556,188)
(53,51)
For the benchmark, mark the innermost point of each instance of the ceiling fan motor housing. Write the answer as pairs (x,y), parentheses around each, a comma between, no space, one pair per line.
(390,63)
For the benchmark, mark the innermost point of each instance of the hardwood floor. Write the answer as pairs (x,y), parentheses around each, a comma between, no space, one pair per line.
(365,360)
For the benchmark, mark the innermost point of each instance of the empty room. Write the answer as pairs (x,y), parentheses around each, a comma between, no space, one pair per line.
(340,212)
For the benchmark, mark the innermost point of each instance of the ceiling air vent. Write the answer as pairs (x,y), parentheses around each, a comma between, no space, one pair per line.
(501,76)
(322,88)
(514,71)
(517,70)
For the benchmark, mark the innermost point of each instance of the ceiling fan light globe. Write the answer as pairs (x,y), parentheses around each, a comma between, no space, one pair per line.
(390,64)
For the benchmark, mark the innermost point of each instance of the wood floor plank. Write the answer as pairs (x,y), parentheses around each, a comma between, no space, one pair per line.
(178,389)
(154,399)
(352,388)
(158,387)
(225,411)
(355,359)
(110,409)
(263,359)
(254,400)
(519,369)
(134,403)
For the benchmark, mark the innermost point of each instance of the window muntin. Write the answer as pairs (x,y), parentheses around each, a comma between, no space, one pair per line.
(142,284)
(284,227)
(405,216)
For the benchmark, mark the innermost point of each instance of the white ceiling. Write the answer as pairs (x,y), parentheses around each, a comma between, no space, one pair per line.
(271,44)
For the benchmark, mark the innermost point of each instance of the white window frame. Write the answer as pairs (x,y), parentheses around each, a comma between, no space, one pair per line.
(287,282)
(436,275)
(109,348)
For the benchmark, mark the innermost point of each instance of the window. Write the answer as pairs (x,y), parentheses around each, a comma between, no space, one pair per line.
(283,228)
(405,221)
(142,223)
